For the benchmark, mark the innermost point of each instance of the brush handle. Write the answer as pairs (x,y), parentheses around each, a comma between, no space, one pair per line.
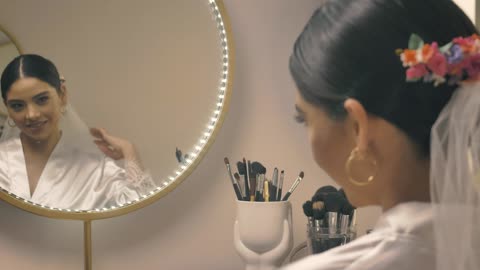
(245,187)
(258,196)
(274,193)
(266,191)
(237,192)
(247,180)
(287,195)
(344,219)
(280,186)
(332,222)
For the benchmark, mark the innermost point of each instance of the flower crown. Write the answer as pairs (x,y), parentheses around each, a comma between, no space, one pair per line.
(453,63)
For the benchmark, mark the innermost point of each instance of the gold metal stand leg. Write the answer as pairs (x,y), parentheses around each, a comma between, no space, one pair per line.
(87,236)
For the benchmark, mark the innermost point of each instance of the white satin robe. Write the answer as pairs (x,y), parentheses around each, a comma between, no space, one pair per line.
(403,239)
(72,178)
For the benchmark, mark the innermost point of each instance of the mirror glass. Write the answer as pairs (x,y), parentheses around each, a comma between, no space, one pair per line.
(148,74)
(8,50)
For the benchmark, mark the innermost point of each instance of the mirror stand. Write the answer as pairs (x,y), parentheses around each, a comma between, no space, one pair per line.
(87,239)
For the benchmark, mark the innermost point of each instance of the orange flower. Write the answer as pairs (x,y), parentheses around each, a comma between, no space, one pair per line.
(427,52)
(409,57)
(475,37)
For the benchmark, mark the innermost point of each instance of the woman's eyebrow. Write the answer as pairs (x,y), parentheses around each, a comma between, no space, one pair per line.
(297,108)
(40,94)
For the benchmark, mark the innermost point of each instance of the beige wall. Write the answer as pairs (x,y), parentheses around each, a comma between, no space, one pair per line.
(191,228)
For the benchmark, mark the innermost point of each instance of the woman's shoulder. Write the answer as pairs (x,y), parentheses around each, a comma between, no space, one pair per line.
(381,250)
(339,258)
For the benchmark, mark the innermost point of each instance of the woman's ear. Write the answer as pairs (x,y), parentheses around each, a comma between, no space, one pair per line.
(63,93)
(358,119)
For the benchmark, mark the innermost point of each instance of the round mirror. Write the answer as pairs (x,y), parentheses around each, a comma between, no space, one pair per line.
(8,50)
(156,74)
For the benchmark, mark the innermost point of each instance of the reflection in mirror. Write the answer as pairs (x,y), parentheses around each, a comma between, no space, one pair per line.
(49,155)
(152,88)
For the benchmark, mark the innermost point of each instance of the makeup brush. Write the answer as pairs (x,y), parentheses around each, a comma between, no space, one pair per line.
(318,214)
(179,155)
(318,198)
(308,211)
(274,184)
(247,180)
(353,219)
(323,191)
(242,170)
(266,190)
(257,169)
(253,185)
(280,185)
(260,185)
(237,177)
(258,192)
(345,212)
(234,181)
(327,189)
(348,208)
(333,204)
(294,186)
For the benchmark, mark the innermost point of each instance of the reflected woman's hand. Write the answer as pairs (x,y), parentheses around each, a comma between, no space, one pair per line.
(112,146)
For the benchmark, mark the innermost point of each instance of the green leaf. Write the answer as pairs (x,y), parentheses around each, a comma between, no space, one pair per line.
(445,48)
(415,42)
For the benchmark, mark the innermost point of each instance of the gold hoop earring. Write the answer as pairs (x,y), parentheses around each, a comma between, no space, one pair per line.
(355,155)
(10,123)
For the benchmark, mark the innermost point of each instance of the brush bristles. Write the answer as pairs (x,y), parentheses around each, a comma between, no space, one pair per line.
(227,162)
(347,208)
(318,214)
(326,189)
(307,209)
(241,168)
(334,202)
(301,175)
(318,205)
(237,176)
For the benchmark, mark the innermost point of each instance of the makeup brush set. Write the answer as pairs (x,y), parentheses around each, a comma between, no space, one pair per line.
(331,219)
(251,184)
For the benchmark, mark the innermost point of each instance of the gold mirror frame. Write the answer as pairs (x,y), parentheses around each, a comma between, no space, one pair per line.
(225,37)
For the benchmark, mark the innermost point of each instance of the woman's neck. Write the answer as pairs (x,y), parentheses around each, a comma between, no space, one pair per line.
(411,185)
(44,147)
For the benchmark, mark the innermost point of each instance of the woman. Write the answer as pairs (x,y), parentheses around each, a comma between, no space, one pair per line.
(370,123)
(47,153)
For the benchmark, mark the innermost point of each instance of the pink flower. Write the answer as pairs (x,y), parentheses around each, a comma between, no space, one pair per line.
(438,64)
(416,72)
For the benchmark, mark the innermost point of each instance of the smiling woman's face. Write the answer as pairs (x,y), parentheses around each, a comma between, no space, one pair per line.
(35,107)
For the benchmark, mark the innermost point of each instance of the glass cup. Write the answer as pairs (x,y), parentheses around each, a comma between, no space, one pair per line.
(320,239)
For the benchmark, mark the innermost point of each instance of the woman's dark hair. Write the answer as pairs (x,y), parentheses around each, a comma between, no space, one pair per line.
(347,50)
(29,66)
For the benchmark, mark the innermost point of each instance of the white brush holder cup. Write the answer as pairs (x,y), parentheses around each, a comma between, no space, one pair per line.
(263,233)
